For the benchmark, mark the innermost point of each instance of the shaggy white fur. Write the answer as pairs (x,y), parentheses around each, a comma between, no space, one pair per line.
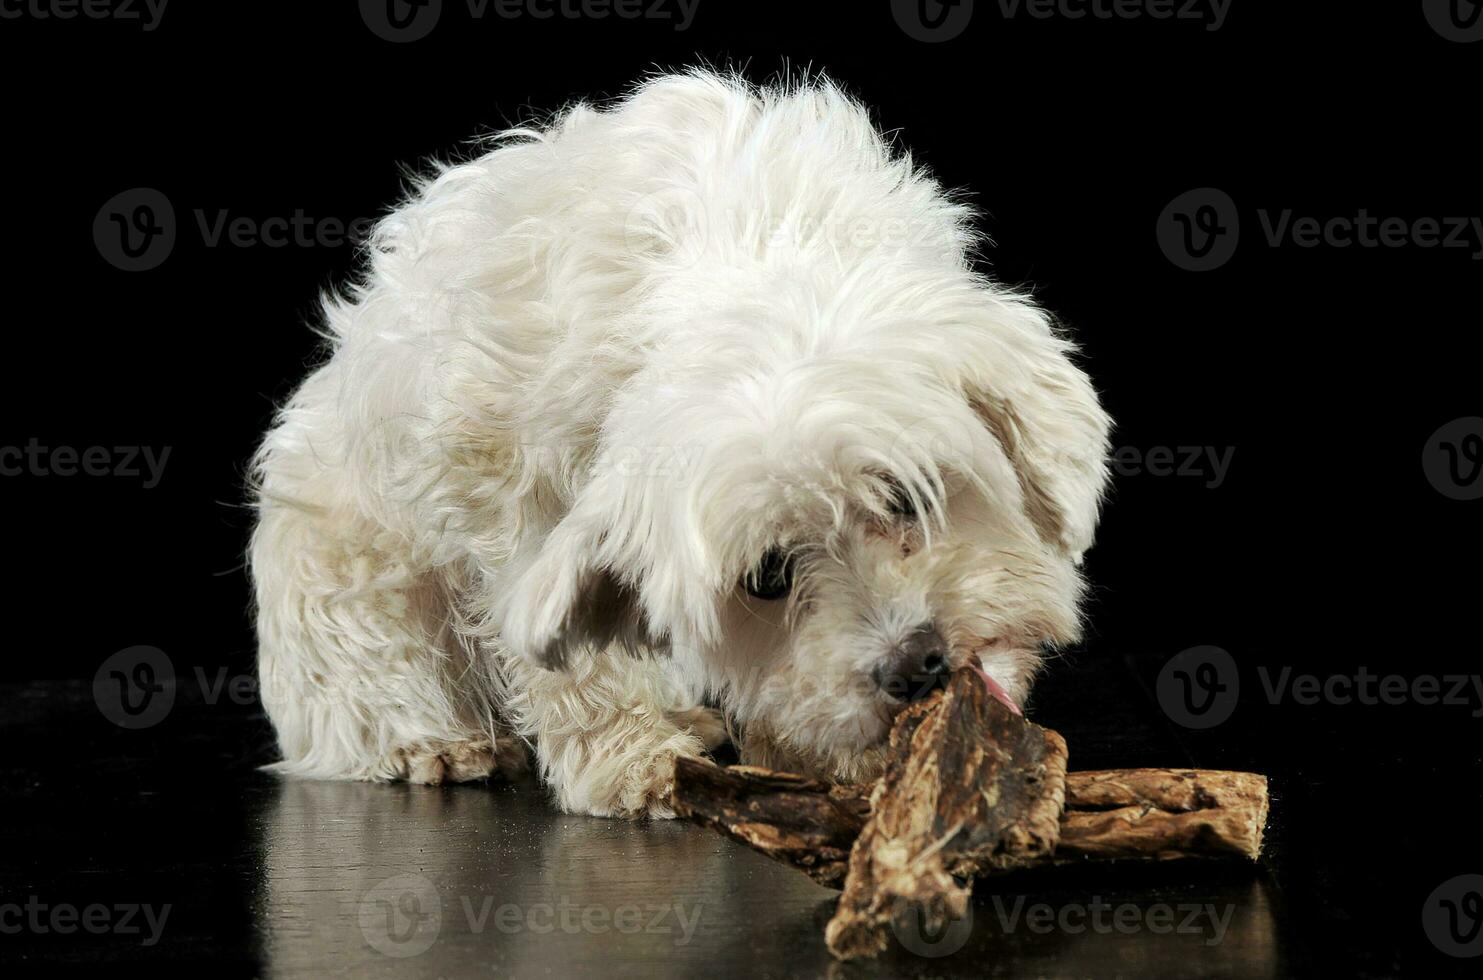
(602,379)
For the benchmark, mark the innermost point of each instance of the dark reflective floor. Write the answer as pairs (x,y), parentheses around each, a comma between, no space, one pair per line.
(384,883)
(165,847)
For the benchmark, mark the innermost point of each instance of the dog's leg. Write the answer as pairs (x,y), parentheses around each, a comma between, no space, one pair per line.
(708,724)
(360,670)
(607,730)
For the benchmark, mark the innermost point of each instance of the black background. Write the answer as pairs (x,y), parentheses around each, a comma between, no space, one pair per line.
(1324,369)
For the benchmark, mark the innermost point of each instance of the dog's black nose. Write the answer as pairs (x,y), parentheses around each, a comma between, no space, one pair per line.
(917,667)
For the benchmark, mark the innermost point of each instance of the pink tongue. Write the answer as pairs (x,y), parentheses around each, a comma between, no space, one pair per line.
(1001,695)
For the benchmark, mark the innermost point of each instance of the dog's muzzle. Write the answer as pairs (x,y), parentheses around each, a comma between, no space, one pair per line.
(919,665)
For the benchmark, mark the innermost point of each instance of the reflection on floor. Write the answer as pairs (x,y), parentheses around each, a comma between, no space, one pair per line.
(304,879)
(366,877)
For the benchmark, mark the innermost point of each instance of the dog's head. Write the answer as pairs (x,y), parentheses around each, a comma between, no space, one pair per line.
(817,526)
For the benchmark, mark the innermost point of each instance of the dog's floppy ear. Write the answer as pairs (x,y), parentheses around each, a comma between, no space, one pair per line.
(562,598)
(624,567)
(1045,414)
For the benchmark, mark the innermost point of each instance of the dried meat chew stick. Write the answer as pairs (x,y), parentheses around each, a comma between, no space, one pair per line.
(967,790)
(797,820)
(812,825)
(1162,814)
(969,787)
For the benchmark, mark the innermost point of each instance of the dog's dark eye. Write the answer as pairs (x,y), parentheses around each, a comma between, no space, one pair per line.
(899,502)
(772,578)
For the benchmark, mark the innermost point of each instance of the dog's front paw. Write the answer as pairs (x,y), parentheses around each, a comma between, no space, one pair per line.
(762,749)
(632,778)
(433,763)
(706,724)
(647,790)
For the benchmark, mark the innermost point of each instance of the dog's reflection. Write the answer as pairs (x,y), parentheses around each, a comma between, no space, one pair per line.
(409,880)
(400,880)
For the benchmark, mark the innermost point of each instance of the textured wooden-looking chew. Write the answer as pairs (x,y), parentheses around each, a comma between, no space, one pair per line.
(812,825)
(797,820)
(1162,814)
(970,789)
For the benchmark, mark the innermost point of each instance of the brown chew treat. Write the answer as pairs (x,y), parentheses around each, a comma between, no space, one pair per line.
(1159,814)
(1162,814)
(797,820)
(970,788)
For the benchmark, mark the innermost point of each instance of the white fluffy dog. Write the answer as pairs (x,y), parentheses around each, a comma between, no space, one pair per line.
(681,419)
